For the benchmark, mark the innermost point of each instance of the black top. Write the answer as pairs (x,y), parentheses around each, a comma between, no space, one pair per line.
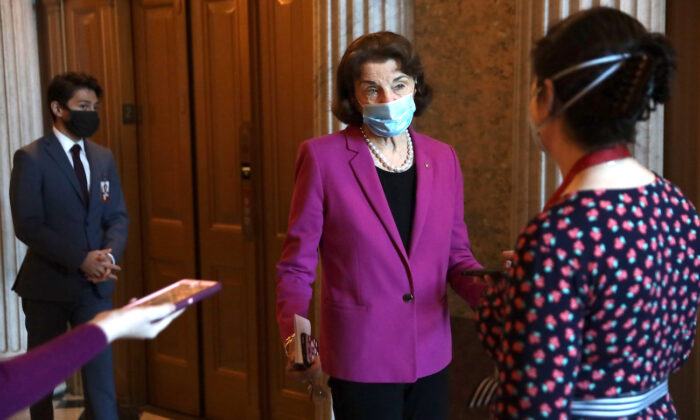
(400,192)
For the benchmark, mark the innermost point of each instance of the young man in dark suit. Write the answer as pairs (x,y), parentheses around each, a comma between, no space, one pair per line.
(68,208)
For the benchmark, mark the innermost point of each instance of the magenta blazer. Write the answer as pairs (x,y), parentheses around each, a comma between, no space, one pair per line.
(384,315)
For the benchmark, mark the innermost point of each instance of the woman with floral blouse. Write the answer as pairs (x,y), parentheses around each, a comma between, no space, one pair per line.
(599,305)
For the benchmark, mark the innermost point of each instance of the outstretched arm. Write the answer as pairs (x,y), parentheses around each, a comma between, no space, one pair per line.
(28,377)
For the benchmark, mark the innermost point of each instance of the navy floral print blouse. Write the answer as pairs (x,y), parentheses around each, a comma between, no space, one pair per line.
(600,302)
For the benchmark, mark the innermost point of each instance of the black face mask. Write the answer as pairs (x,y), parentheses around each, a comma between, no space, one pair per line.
(83,123)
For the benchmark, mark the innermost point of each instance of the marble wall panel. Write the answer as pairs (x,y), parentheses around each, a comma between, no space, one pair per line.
(476,56)
(468,51)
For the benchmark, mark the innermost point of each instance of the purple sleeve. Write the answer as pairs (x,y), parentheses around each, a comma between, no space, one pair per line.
(26,378)
(461,257)
(296,270)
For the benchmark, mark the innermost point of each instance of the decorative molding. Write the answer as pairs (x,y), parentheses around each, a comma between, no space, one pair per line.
(20,123)
(536,176)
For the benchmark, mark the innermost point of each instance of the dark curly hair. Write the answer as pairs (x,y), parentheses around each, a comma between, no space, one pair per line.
(63,87)
(376,47)
(609,112)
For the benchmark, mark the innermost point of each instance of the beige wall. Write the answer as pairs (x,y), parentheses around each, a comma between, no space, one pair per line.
(468,51)
(476,56)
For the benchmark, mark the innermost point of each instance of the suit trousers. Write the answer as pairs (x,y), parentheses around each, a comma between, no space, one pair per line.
(424,399)
(46,320)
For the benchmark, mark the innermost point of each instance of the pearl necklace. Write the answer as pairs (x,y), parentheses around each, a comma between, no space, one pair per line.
(407,163)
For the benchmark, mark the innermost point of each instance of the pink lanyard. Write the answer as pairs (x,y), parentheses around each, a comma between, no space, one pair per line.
(596,157)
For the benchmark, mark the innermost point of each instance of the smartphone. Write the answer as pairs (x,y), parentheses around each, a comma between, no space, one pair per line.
(481,272)
(182,293)
(309,349)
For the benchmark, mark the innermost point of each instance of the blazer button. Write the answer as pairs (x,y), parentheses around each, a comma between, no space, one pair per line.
(407,297)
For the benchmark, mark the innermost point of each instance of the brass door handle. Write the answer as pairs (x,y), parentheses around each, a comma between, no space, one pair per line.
(245,171)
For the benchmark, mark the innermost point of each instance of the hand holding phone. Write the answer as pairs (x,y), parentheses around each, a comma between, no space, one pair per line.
(181,294)
(305,345)
(309,351)
(304,362)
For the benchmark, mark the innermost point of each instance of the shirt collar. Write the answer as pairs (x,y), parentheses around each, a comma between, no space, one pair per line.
(66,142)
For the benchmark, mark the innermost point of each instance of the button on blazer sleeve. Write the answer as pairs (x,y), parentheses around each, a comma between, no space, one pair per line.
(26,203)
(461,257)
(296,269)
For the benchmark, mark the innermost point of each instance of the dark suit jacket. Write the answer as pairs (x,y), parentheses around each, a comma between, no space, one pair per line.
(51,217)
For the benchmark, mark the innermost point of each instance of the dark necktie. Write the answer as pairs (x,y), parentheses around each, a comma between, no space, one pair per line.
(79,170)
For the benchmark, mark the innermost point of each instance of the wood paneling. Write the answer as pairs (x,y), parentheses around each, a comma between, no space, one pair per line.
(286,92)
(50,36)
(222,104)
(214,226)
(682,158)
(129,356)
(167,202)
(681,149)
(91,47)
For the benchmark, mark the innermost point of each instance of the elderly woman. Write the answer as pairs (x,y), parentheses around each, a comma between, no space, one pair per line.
(601,301)
(383,206)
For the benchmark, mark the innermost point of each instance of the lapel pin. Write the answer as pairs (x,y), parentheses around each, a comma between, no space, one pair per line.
(427,165)
(104,190)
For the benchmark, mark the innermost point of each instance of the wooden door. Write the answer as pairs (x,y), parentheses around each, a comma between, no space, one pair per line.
(225,172)
(286,95)
(50,35)
(91,48)
(97,37)
(682,158)
(167,202)
(205,225)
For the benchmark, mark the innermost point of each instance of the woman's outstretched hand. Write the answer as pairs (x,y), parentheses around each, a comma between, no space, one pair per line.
(136,322)
(491,281)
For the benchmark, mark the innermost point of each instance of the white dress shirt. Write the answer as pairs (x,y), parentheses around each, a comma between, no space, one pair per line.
(67,143)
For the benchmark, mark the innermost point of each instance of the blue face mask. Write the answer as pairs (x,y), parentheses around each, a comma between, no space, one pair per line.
(391,118)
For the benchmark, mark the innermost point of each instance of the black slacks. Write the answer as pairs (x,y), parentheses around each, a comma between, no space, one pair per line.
(47,320)
(425,399)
